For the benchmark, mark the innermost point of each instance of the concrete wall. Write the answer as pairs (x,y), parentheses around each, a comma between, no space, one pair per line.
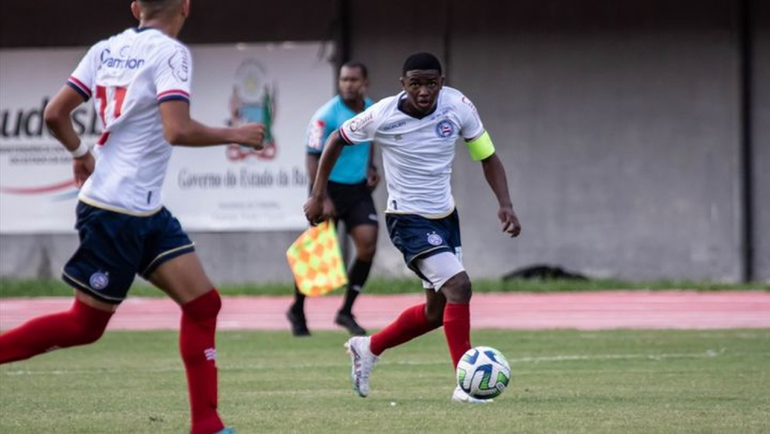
(618,123)
(761,141)
(52,23)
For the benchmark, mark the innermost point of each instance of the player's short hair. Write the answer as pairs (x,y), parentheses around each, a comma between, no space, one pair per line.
(356,64)
(421,61)
(153,8)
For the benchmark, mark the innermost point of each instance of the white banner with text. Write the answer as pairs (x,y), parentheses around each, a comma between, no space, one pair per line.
(222,188)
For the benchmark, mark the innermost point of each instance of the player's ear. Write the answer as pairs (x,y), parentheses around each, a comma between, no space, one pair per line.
(403,84)
(186,8)
(136,10)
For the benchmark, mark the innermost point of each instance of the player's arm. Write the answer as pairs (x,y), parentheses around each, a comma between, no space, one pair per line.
(181,130)
(311,161)
(58,119)
(482,149)
(494,172)
(311,165)
(331,153)
(372,175)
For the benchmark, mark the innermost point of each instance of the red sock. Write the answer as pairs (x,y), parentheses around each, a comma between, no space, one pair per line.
(196,343)
(80,325)
(457,328)
(411,323)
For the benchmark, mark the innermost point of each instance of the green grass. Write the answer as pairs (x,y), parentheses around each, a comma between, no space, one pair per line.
(38,288)
(563,382)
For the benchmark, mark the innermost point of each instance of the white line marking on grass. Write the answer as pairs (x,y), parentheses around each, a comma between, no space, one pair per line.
(569,358)
(663,356)
(520,360)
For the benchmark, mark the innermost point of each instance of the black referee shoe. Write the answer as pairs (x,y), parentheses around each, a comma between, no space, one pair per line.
(348,321)
(298,323)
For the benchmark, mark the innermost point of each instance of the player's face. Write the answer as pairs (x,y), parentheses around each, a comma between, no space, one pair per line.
(352,83)
(422,88)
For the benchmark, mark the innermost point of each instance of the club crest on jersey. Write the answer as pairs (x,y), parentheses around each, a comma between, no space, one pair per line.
(435,239)
(445,128)
(99,280)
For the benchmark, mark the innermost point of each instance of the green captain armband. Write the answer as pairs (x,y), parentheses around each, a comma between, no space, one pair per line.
(481,147)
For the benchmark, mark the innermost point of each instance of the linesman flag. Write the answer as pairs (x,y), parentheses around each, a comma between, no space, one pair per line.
(316,260)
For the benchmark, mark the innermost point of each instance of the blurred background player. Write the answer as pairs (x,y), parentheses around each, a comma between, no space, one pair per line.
(348,195)
(417,131)
(140,82)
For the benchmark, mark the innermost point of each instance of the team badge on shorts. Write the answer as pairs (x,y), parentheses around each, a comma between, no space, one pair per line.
(435,239)
(99,280)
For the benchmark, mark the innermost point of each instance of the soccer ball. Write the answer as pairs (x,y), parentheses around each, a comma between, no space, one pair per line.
(483,372)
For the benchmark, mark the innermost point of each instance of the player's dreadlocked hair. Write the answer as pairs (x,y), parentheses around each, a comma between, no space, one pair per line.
(421,61)
(153,8)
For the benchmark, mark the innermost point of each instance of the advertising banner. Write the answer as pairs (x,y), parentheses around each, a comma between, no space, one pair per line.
(221,188)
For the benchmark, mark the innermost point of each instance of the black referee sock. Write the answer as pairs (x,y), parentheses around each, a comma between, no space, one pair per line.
(299,302)
(357,276)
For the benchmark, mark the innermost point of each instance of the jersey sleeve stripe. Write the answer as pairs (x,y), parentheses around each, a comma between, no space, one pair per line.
(174,92)
(80,88)
(345,137)
(173,98)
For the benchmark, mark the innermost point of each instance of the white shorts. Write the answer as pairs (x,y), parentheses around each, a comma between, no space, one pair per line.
(439,268)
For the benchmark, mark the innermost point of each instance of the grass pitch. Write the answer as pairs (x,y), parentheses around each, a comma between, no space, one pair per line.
(562,382)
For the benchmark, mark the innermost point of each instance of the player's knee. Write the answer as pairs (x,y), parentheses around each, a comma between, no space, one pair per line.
(457,290)
(435,315)
(88,324)
(366,252)
(204,308)
(366,246)
(89,335)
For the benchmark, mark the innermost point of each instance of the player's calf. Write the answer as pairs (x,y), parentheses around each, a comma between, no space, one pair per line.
(196,343)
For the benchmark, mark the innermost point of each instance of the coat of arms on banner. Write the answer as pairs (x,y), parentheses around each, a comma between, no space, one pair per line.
(253,100)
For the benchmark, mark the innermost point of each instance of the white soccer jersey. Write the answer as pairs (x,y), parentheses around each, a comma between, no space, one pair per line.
(129,75)
(417,153)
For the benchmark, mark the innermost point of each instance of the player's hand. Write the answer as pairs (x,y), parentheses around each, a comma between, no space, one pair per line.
(372,178)
(253,135)
(82,168)
(314,209)
(509,221)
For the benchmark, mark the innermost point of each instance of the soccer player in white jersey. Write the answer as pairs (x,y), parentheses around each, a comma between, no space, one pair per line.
(140,83)
(417,131)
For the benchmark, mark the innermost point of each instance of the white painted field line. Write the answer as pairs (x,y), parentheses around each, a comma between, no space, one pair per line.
(520,360)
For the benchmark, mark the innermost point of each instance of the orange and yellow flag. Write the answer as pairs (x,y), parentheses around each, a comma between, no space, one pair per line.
(316,260)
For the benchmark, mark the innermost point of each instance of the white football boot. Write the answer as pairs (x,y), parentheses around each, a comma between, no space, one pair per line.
(459,395)
(362,361)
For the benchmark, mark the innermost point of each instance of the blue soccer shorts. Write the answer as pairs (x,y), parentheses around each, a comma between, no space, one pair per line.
(115,247)
(419,237)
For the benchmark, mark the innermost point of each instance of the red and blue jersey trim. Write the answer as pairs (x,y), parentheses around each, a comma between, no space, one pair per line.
(345,137)
(79,87)
(173,94)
